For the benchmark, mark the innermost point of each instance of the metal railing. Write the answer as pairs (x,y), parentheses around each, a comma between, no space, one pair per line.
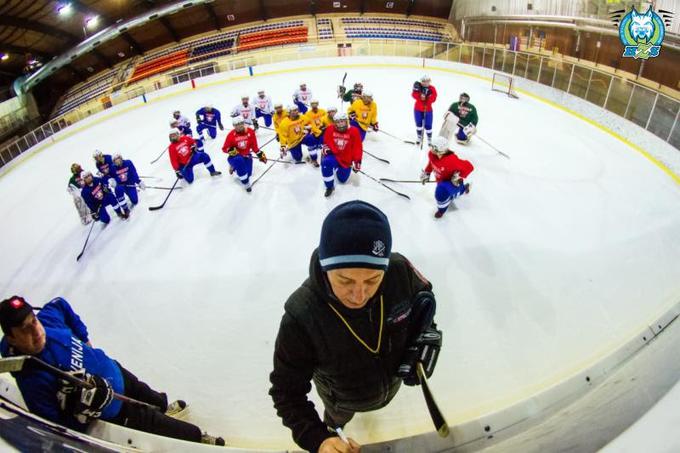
(649,108)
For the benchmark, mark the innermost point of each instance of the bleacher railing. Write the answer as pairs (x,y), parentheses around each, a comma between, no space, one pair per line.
(645,106)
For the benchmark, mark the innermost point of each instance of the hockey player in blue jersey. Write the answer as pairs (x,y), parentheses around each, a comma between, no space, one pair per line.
(103,163)
(97,195)
(208,118)
(58,337)
(126,177)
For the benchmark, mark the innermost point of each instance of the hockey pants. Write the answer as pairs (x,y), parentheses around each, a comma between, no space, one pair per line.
(423,119)
(446,192)
(267,117)
(151,420)
(243,166)
(211,128)
(361,130)
(330,168)
(197,158)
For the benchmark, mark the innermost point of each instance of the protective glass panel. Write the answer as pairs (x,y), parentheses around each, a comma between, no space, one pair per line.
(579,82)
(521,65)
(663,116)
(465,54)
(533,65)
(619,94)
(597,90)
(640,106)
(548,71)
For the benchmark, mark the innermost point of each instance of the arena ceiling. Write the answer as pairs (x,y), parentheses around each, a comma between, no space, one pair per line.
(44,29)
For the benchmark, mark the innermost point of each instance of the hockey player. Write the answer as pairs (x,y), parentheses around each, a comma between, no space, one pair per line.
(75,185)
(351,95)
(295,131)
(246,111)
(424,94)
(342,152)
(466,118)
(315,117)
(240,142)
(356,327)
(280,114)
(185,154)
(363,113)
(329,118)
(103,162)
(208,118)
(125,173)
(97,195)
(175,124)
(450,172)
(263,107)
(183,123)
(59,337)
(301,98)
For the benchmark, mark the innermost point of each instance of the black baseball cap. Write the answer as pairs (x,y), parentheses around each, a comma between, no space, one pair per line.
(13,312)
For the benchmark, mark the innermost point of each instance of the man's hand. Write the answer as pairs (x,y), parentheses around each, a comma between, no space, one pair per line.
(356,167)
(375,127)
(424,177)
(352,116)
(337,445)
(221,127)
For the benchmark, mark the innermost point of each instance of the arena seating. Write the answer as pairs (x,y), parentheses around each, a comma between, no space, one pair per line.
(393,21)
(277,37)
(393,28)
(324,28)
(212,50)
(160,64)
(391,33)
(84,92)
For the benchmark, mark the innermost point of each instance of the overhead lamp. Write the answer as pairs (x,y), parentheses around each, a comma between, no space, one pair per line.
(4,56)
(65,9)
(92,22)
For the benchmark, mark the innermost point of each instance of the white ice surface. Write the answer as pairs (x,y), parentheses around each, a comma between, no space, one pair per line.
(556,256)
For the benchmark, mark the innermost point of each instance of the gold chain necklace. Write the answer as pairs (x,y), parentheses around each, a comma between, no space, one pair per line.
(377,348)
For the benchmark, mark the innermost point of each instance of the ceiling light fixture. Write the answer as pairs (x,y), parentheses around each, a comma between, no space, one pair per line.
(92,22)
(65,9)
(4,56)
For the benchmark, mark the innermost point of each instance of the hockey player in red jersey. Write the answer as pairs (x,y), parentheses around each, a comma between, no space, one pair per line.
(450,172)
(185,153)
(240,142)
(342,152)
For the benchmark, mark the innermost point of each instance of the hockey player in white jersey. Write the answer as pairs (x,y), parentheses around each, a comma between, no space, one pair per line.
(183,123)
(263,107)
(246,110)
(302,97)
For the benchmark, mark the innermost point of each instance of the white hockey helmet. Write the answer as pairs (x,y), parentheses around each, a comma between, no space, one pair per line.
(174,131)
(85,174)
(293,108)
(303,84)
(439,144)
(367,94)
(117,156)
(97,153)
(332,108)
(245,96)
(278,105)
(173,123)
(425,78)
(209,105)
(238,119)
(314,101)
(260,91)
(342,116)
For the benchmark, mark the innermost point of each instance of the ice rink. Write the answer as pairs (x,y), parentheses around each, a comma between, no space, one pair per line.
(557,255)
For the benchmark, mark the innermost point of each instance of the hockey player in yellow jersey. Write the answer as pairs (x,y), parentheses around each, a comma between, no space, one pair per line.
(279,115)
(328,119)
(298,130)
(363,113)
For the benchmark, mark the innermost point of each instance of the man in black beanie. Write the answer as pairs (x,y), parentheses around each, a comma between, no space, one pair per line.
(356,327)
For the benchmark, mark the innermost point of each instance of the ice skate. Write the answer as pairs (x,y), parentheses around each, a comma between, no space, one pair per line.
(176,409)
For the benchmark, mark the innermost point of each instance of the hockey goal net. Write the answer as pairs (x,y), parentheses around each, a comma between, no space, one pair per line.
(504,84)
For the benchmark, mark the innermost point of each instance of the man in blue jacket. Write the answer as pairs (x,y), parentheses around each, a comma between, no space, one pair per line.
(58,337)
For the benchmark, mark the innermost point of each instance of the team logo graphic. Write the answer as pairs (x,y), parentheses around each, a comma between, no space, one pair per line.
(379,248)
(642,33)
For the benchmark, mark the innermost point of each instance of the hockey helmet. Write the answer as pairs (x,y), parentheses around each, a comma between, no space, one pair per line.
(358,85)
(117,156)
(245,96)
(464,95)
(209,106)
(367,94)
(238,119)
(440,145)
(332,108)
(278,105)
(174,123)
(425,78)
(174,131)
(96,154)
(85,174)
(176,112)
(293,108)
(76,168)
(314,101)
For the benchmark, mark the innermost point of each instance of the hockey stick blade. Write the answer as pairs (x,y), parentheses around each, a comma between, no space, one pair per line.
(437,418)
(377,158)
(385,185)
(159,157)
(12,364)
(263,173)
(80,255)
(172,189)
(407,181)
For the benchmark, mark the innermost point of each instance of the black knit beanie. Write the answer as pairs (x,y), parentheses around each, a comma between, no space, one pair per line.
(355,234)
(13,312)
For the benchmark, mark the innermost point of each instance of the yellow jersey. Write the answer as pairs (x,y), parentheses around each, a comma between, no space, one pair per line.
(291,132)
(367,115)
(316,118)
(278,119)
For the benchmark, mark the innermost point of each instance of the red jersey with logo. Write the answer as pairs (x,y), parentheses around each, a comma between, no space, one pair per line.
(426,105)
(345,146)
(245,142)
(180,151)
(447,165)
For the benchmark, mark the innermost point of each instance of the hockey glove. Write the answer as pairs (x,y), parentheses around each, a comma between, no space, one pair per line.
(417,86)
(352,116)
(261,156)
(233,152)
(425,349)
(256,125)
(424,177)
(221,127)
(456,180)
(179,174)
(112,183)
(341,91)
(85,403)
(356,166)
(375,127)
(95,215)
(141,185)
(284,151)
(325,150)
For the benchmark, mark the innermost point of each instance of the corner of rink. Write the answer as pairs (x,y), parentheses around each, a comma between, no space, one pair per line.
(472,428)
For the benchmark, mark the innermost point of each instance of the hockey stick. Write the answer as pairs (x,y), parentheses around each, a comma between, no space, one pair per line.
(377,158)
(422,137)
(437,417)
(156,160)
(80,255)
(160,206)
(156,187)
(412,181)
(410,142)
(287,161)
(385,185)
(149,177)
(263,173)
(488,144)
(18,363)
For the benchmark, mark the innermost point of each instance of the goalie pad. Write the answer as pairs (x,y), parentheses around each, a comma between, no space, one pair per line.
(449,126)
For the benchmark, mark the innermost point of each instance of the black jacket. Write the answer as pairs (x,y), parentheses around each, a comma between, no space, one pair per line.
(313,343)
